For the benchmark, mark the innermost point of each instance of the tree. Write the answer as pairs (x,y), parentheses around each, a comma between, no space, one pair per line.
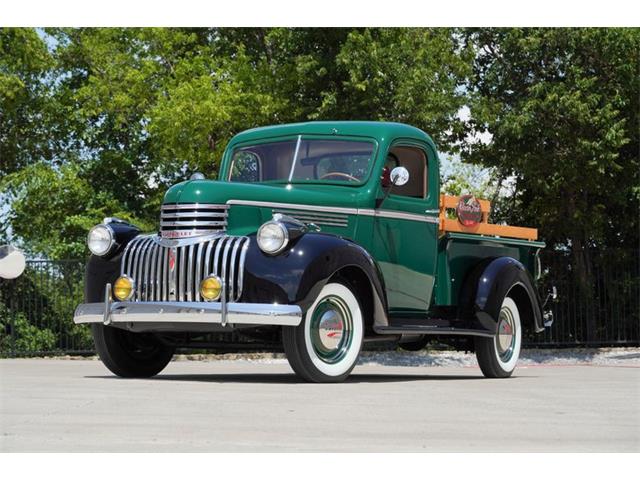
(24,99)
(562,108)
(135,110)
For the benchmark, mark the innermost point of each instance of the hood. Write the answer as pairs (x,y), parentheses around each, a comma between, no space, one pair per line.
(219,192)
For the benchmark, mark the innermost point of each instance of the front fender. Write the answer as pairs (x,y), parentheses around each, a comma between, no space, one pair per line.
(486,286)
(297,275)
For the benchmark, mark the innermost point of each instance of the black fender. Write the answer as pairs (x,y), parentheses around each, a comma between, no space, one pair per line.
(102,270)
(488,283)
(296,275)
(97,273)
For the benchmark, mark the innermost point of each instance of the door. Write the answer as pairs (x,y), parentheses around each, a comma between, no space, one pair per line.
(405,231)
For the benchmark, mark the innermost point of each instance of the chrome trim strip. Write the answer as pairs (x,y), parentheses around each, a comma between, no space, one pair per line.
(207,260)
(188,312)
(141,266)
(181,273)
(219,244)
(398,215)
(147,269)
(133,264)
(192,223)
(179,214)
(153,267)
(198,279)
(232,273)
(158,286)
(225,281)
(165,275)
(189,278)
(346,211)
(243,254)
(178,242)
(193,206)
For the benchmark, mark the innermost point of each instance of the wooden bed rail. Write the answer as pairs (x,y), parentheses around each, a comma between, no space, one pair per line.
(448,202)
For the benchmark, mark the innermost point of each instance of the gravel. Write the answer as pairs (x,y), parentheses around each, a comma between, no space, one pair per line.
(583,356)
(619,356)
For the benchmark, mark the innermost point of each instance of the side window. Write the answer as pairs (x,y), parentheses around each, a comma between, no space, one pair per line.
(245,167)
(415,161)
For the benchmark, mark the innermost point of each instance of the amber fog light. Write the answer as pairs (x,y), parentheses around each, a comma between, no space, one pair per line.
(123,288)
(210,288)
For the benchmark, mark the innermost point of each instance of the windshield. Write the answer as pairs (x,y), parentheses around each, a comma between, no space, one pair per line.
(302,159)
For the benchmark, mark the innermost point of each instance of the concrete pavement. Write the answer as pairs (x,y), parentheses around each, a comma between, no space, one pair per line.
(77,405)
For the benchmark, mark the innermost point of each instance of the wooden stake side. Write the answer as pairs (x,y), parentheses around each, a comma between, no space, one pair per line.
(482,228)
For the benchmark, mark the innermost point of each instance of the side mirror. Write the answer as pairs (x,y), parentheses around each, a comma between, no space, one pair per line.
(399,176)
(12,262)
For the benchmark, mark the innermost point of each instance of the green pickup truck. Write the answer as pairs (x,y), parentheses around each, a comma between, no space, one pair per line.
(317,238)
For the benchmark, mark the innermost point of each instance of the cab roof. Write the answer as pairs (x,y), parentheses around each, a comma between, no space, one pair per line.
(381,131)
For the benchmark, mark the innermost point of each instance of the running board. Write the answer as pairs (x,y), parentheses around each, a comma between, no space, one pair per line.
(429,330)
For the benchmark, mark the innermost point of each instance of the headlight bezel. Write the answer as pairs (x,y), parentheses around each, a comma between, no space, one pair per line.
(285,236)
(111,243)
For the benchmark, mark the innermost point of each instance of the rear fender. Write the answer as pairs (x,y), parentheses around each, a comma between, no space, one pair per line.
(487,285)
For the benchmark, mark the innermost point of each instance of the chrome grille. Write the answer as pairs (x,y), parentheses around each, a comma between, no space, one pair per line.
(182,220)
(173,273)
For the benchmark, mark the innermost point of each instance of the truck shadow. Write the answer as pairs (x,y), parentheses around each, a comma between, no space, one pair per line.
(290,378)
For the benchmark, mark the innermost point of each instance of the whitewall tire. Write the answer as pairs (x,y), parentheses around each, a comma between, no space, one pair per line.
(498,356)
(326,345)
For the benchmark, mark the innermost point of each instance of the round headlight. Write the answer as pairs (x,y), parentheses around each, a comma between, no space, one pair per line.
(100,240)
(272,237)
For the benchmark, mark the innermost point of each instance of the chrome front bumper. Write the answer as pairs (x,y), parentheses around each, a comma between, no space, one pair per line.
(175,313)
(188,312)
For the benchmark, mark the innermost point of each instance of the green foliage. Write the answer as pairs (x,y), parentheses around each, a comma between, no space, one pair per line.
(99,122)
(562,108)
(131,111)
(36,310)
(27,338)
(25,107)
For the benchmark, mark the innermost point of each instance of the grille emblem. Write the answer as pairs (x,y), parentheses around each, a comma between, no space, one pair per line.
(172,259)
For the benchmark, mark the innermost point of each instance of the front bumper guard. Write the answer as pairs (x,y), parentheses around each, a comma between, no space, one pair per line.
(203,313)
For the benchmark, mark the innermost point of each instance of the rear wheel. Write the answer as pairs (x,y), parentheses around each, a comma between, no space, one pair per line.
(129,354)
(498,356)
(326,345)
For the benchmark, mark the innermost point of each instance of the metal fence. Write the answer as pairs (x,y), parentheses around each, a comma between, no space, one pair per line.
(36,309)
(603,311)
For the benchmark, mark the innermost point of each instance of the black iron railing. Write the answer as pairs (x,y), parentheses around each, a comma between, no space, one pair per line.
(601,309)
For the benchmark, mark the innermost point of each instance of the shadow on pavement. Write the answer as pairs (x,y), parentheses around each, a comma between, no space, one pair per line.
(289,378)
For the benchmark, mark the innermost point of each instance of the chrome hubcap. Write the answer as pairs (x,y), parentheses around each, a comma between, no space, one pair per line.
(331,329)
(506,337)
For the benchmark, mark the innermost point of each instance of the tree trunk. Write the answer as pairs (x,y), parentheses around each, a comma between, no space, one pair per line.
(583,275)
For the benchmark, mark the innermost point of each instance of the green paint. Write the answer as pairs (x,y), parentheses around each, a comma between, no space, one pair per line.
(420,270)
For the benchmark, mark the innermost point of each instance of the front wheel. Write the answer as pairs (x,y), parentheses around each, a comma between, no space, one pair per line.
(129,354)
(326,345)
(498,356)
